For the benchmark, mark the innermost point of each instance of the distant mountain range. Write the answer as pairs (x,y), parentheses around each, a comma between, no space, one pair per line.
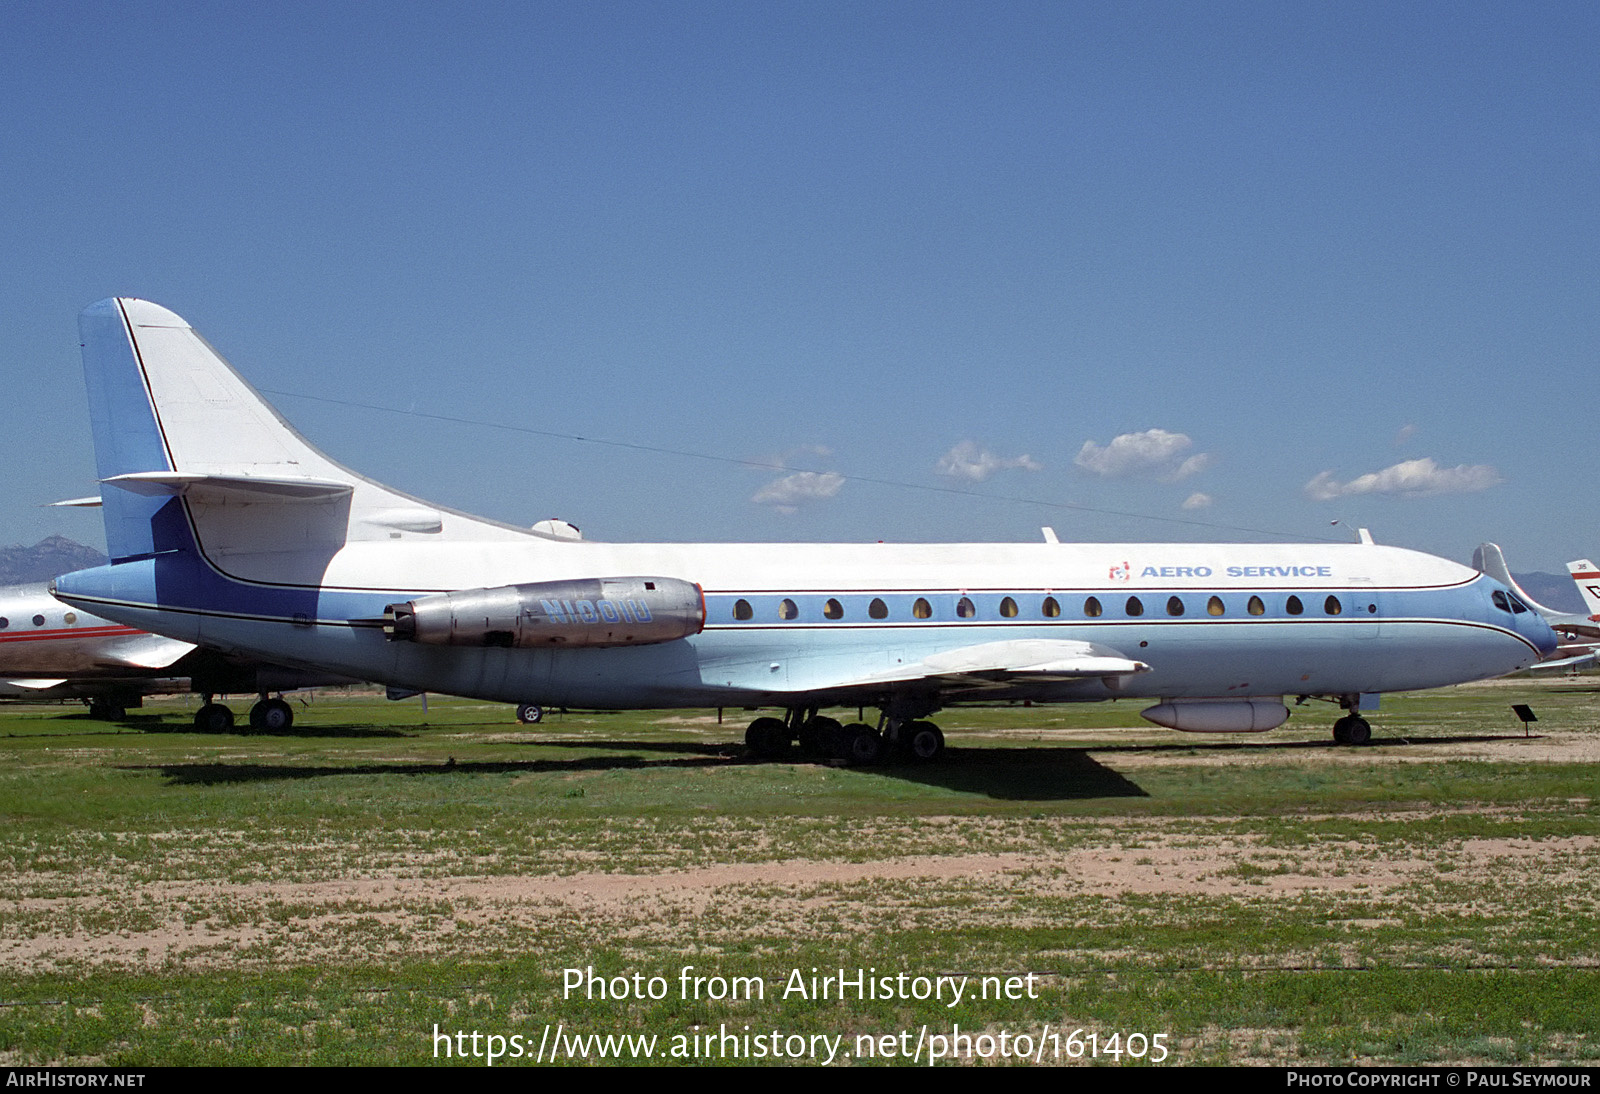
(52,555)
(59,555)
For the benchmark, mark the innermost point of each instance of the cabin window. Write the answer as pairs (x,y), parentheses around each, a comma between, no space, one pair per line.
(1256,607)
(741,609)
(788,609)
(1091,608)
(1008,608)
(1174,606)
(70,618)
(922,609)
(38,621)
(1293,606)
(965,608)
(4,622)
(833,610)
(1134,607)
(1214,606)
(878,609)
(1332,605)
(1050,608)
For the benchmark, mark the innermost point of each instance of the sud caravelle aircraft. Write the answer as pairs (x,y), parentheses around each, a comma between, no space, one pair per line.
(226,528)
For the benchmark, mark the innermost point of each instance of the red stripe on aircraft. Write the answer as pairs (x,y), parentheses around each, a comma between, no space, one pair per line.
(76,632)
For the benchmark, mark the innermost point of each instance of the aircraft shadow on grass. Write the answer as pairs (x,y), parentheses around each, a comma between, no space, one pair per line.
(1043,773)
(1010,774)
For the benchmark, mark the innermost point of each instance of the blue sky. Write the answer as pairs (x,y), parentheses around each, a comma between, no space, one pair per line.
(948,271)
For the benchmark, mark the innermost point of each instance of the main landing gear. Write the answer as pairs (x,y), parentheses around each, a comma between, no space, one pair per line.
(857,744)
(267,715)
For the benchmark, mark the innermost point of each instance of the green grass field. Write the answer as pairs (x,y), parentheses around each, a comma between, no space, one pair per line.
(340,892)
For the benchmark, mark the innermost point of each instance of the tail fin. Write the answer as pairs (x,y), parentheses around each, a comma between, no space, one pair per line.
(1587,577)
(1489,559)
(172,419)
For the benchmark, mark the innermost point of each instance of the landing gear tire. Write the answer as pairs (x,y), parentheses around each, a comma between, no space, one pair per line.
(862,745)
(530,714)
(107,712)
(213,718)
(271,716)
(820,736)
(767,738)
(1352,730)
(922,742)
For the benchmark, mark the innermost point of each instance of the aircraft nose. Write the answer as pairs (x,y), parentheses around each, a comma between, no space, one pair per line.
(1543,636)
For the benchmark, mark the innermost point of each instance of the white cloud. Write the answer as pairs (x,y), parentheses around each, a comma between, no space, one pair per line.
(1192,466)
(1153,452)
(791,491)
(967,461)
(1410,478)
(801,452)
(1406,432)
(1197,501)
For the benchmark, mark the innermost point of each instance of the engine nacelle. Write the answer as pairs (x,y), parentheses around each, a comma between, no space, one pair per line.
(606,611)
(1218,715)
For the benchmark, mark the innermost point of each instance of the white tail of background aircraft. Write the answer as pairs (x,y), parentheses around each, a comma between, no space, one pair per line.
(1587,577)
(226,528)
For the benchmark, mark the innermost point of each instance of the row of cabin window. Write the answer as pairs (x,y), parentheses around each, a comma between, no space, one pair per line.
(1050,608)
(38,620)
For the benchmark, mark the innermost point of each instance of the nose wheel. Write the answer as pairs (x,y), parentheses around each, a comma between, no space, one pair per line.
(1352,729)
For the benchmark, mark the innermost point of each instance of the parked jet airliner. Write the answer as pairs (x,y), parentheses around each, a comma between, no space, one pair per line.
(227,528)
(48,651)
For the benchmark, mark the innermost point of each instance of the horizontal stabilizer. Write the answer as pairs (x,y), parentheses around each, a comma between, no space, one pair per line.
(205,487)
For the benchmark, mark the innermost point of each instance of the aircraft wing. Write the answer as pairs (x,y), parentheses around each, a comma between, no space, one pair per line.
(1580,661)
(1001,664)
(145,651)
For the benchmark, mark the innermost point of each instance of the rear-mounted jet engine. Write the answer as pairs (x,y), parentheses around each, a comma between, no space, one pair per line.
(607,611)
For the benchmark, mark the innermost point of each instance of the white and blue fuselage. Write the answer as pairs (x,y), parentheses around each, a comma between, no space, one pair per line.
(227,529)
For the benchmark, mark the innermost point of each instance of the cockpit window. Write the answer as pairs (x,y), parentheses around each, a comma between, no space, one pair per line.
(1507,603)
